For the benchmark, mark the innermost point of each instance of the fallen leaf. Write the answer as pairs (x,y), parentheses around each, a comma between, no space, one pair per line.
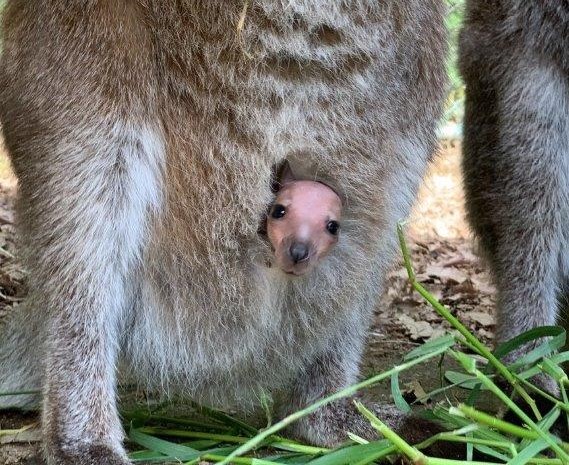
(418,392)
(419,330)
(483,318)
(446,274)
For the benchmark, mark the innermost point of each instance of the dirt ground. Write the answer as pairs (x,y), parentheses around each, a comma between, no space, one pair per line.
(443,257)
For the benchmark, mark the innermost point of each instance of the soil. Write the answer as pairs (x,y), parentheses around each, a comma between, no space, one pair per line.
(443,257)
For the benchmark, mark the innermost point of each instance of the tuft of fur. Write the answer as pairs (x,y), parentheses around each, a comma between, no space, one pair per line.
(144,135)
(515,61)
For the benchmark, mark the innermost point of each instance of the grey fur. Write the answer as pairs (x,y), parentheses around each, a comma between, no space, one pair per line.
(515,61)
(144,135)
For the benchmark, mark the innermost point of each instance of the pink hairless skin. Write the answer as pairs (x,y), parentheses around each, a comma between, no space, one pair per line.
(303,225)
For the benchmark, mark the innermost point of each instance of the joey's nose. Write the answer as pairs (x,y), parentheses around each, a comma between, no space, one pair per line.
(298,252)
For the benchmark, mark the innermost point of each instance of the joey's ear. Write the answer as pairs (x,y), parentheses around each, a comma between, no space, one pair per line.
(283,175)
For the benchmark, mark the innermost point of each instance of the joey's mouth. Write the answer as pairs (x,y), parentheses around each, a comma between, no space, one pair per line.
(292,270)
(295,273)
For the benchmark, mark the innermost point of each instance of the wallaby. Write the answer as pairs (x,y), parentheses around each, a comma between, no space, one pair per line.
(144,135)
(303,224)
(515,62)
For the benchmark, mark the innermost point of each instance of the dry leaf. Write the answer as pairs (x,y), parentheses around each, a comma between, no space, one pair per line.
(484,319)
(446,274)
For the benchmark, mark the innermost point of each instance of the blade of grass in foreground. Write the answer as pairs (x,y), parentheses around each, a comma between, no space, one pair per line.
(170,449)
(223,417)
(355,453)
(20,393)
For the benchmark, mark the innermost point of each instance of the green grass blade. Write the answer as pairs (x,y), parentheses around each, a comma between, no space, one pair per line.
(398,399)
(529,452)
(446,341)
(223,417)
(491,452)
(352,454)
(529,336)
(170,449)
(462,380)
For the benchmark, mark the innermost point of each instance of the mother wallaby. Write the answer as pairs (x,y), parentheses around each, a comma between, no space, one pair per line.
(144,134)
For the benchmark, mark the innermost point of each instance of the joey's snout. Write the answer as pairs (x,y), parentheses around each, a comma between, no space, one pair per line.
(298,252)
(296,256)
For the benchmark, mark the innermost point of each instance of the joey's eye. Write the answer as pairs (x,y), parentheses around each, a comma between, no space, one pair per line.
(278,211)
(333,227)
